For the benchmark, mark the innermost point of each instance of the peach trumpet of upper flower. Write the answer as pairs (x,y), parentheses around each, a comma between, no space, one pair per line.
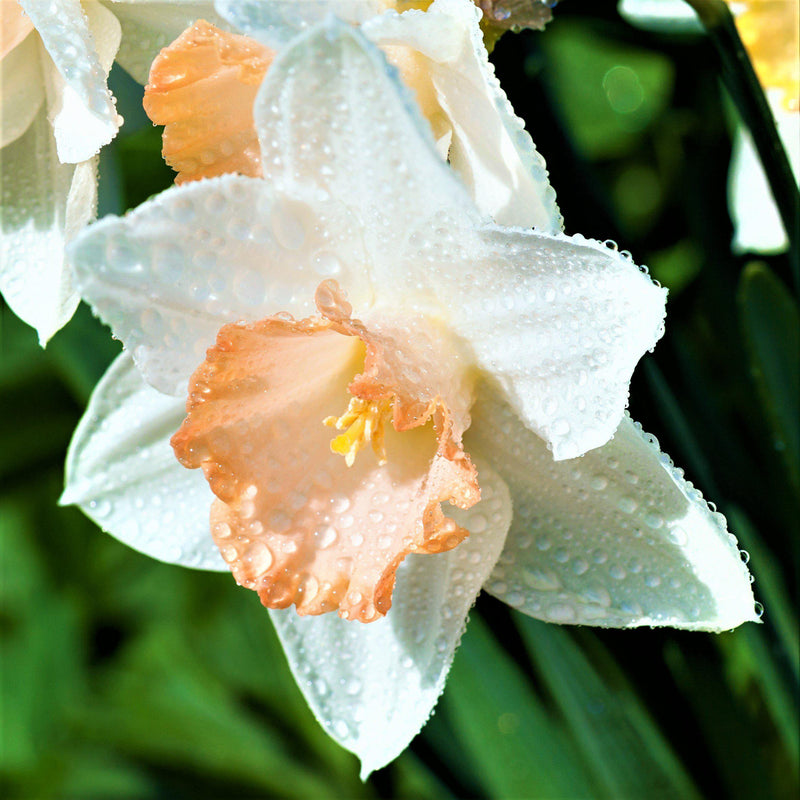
(356,283)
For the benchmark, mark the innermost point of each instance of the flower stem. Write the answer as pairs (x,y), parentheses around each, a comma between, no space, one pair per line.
(745,89)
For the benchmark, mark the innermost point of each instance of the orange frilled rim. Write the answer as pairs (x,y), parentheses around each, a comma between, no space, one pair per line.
(293,521)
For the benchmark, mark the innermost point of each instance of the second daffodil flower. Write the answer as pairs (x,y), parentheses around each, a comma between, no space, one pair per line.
(56,113)
(384,371)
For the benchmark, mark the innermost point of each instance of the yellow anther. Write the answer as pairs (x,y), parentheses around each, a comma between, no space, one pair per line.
(364,421)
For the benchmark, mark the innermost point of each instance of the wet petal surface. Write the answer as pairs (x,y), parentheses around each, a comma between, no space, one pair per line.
(84,114)
(44,204)
(489,149)
(168,275)
(616,538)
(559,322)
(122,472)
(21,80)
(373,687)
(332,99)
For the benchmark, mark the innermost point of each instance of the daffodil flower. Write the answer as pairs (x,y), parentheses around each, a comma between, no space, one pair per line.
(769,32)
(374,346)
(203,86)
(57,112)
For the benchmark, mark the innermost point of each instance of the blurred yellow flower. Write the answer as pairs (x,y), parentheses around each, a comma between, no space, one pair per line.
(770,31)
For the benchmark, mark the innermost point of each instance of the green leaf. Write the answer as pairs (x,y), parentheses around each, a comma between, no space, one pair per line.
(771,325)
(514,745)
(161,705)
(609,93)
(619,741)
(414,781)
(754,663)
(40,637)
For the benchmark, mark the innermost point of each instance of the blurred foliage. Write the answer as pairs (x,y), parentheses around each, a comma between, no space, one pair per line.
(126,678)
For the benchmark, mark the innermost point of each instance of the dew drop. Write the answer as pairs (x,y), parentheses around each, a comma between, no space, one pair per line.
(541,580)
(617,572)
(561,613)
(678,536)
(340,504)
(627,505)
(326,537)
(287,223)
(327,264)
(579,566)
(258,556)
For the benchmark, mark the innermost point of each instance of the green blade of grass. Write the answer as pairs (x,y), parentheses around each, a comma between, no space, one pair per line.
(515,747)
(618,739)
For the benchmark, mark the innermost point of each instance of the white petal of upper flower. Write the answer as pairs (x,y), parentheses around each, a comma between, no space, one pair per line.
(560,322)
(616,538)
(332,99)
(275,22)
(148,27)
(44,203)
(758,225)
(373,687)
(490,149)
(168,275)
(122,472)
(21,89)
(83,113)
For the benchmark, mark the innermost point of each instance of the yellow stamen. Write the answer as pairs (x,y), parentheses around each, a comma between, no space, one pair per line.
(365,421)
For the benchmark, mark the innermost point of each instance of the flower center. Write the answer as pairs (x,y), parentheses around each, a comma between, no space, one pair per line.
(363,422)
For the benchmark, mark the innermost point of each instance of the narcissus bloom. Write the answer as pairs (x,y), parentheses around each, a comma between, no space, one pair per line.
(57,112)
(385,369)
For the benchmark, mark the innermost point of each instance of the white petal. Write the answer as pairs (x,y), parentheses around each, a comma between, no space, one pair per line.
(559,321)
(44,202)
(490,149)
(168,275)
(616,538)
(147,27)
(122,472)
(21,89)
(373,686)
(275,22)
(758,225)
(332,111)
(84,115)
